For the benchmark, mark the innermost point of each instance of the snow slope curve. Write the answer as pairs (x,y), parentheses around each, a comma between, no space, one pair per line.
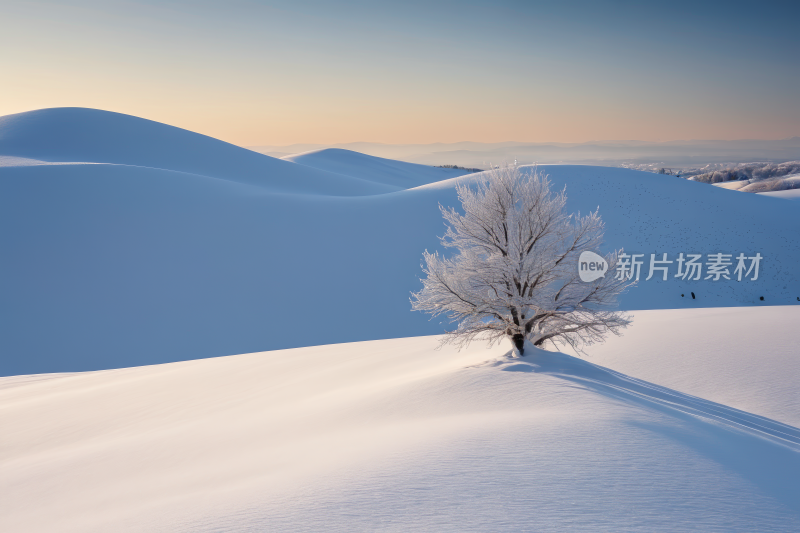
(387,171)
(743,357)
(792,194)
(386,435)
(95,136)
(124,265)
(653,214)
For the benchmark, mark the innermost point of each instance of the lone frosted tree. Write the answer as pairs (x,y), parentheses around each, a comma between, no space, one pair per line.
(515,272)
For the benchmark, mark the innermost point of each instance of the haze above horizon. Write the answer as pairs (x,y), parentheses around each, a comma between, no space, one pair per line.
(280,73)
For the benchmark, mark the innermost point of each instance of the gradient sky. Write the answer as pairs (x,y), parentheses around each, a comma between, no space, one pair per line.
(276,73)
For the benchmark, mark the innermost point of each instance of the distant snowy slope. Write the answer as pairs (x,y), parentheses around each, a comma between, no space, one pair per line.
(791,194)
(108,266)
(386,436)
(647,213)
(94,136)
(371,168)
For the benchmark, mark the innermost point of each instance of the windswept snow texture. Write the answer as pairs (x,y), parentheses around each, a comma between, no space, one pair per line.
(165,245)
(392,436)
(378,169)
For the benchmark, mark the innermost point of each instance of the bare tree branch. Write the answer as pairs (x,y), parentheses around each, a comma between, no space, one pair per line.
(515,270)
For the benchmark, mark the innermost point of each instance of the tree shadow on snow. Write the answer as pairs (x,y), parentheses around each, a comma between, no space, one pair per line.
(763,451)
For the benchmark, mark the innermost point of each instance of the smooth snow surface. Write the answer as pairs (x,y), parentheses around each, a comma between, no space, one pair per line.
(378,169)
(742,357)
(90,135)
(732,185)
(178,246)
(392,436)
(13,161)
(791,194)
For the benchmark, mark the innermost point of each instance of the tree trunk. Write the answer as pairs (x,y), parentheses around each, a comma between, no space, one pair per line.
(519,342)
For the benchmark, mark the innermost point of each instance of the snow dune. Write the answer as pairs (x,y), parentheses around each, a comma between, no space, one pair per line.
(92,136)
(391,435)
(367,167)
(174,246)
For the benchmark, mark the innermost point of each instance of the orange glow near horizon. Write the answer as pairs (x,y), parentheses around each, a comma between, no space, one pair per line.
(273,75)
(265,125)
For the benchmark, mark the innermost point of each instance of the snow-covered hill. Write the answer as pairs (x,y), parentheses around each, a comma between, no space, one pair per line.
(371,168)
(791,194)
(126,242)
(397,436)
(94,136)
(179,246)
